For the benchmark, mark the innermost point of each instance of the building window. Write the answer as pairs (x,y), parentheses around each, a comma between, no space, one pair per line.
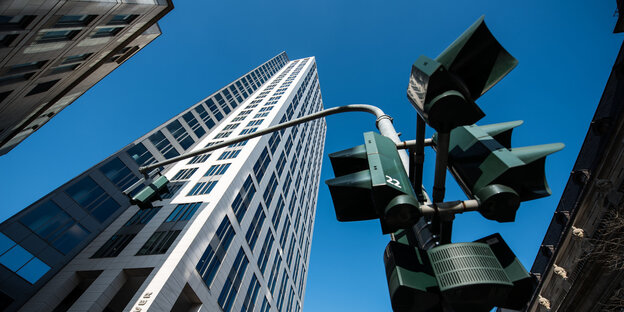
(277,214)
(7,80)
(274,141)
(261,164)
(15,22)
(229,154)
(142,217)
(25,67)
(231,126)
(233,281)
(106,32)
(213,143)
(173,187)
(223,134)
(184,174)
(179,133)
(242,143)
(76,58)
(281,163)
(62,69)
(248,130)
(256,225)
(243,199)
(266,307)
(194,124)
(114,246)
(212,106)
(252,294)
(74,20)
(274,273)
(215,170)
(42,87)
(202,188)
(122,19)
(117,172)
(7,39)
(56,35)
(210,261)
(199,159)
(17,259)
(255,122)
(204,116)
(158,243)
(282,290)
(54,225)
(270,190)
(284,236)
(265,252)
(90,196)
(140,154)
(163,145)
(183,212)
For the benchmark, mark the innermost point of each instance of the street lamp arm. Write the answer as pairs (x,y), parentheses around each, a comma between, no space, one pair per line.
(383,123)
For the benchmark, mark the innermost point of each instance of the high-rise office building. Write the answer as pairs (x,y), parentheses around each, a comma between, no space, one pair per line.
(232,234)
(52,51)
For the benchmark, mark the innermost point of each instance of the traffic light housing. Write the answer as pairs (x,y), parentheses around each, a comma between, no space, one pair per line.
(444,90)
(371,183)
(471,277)
(150,193)
(488,169)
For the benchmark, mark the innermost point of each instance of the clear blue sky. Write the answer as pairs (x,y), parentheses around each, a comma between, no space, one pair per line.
(364,51)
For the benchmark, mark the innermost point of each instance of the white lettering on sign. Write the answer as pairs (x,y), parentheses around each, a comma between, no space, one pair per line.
(393,181)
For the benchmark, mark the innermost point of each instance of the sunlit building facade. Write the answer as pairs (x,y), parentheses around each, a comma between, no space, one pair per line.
(232,234)
(52,51)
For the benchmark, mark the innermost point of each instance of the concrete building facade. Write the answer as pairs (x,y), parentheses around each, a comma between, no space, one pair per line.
(233,234)
(53,51)
(580,263)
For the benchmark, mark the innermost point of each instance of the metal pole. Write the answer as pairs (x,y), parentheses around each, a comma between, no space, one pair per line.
(419,157)
(383,123)
(441,224)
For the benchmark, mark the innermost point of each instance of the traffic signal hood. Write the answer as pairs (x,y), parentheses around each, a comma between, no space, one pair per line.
(487,168)
(371,183)
(474,276)
(150,193)
(444,90)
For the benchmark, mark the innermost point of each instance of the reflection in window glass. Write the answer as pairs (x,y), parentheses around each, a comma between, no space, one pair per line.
(117,172)
(92,197)
(33,270)
(179,133)
(15,258)
(163,145)
(141,155)
(19,260)
(71,238)
(5,243)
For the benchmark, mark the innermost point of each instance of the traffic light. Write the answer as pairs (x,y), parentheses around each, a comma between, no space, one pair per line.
(150,193)
(411,282)
(371,183)
(471,277)
(444,90)
(488,169)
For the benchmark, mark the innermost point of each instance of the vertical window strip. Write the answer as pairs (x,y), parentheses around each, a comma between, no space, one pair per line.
(243,199)
(232,283)
(265,252)
(213,256)
(254,229)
